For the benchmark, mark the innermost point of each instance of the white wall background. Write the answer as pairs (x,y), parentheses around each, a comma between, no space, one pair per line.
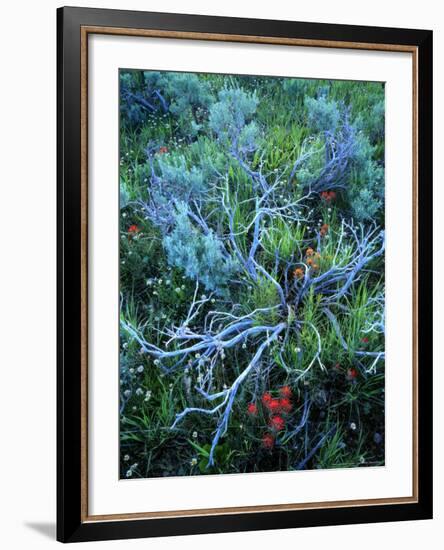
(27,276)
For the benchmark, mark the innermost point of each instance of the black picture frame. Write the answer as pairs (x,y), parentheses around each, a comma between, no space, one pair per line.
(71,523)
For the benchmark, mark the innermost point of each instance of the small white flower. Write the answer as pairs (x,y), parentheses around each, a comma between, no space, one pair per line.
(155,293)
(126,458)
(140,368)
(203,297)
(212,300)
(149,282)
(352,426)
(194,435)
(244,346)
(197,356)
(159,282)
(131,370)
(193,461)
(127,393)
(129,473)
(139,391)
(156,361)
(177,289)
(182,287)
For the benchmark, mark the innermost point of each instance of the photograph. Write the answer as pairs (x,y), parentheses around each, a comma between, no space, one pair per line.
(252,274)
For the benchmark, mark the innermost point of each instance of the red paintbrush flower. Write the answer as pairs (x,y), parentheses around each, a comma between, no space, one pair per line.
(285,405)
(285,391)
(364,340)
(327,196)
(266,398)
(274,405)
(133,229)
(352,374)
(268,441)
(163,150)
(277,423)
(252,409)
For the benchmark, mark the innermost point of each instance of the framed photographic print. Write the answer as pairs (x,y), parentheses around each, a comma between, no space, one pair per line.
(245,269)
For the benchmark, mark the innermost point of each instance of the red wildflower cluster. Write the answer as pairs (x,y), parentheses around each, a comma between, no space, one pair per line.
(274,405)
(268,441)
(352,374)
(312,258)
(364,340)
(328,196)
(276,408)
(163,150)
(285,391)
(285,405)
(266,398)
(277,423)
(133,229)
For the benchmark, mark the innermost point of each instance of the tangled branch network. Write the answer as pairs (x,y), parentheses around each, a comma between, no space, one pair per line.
(242,245)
